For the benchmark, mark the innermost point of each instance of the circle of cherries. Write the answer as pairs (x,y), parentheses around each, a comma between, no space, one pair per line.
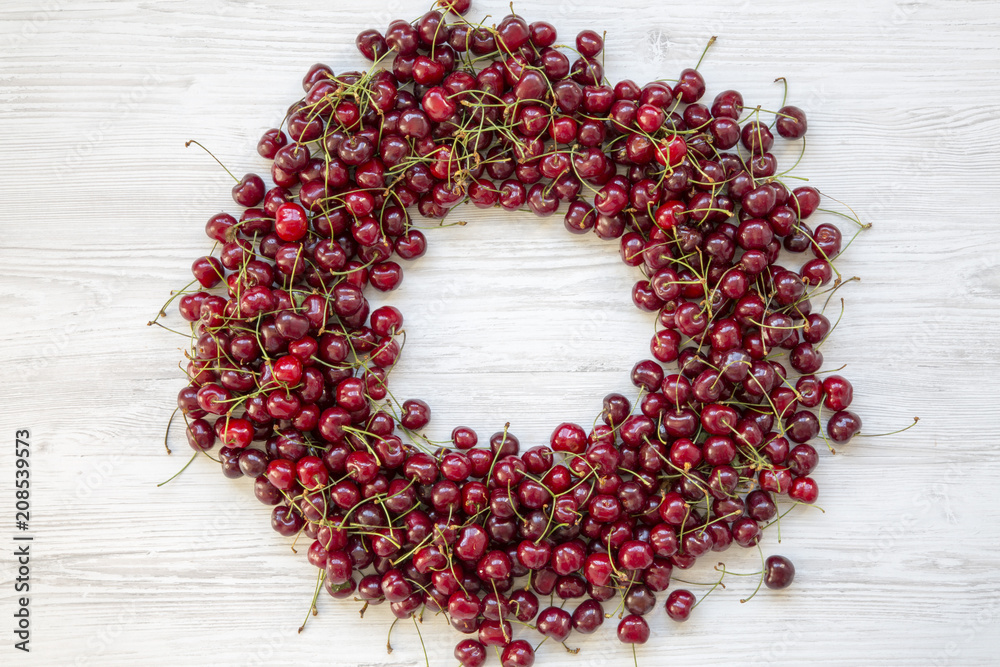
(289,363)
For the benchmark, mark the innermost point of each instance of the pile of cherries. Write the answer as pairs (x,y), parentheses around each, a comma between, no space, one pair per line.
(289,355)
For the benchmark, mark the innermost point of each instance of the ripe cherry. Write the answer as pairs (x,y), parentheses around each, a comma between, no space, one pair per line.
(778,572)
(470,653)
(633,629)
(291,222)
(679,604)
(791,122)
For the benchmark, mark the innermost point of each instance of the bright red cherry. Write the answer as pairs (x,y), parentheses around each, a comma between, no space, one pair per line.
(290,222)
(633,629)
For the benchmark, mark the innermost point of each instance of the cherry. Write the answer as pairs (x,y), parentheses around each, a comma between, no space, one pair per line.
(690,86)
(554,623)
(470,653)
(252,462)
(633,629)
(517,653)
(802,426)
(778,572)
(586,618)
(201,436)
(311,472)
(843,425)
(568,438)
(746,531)
(416,414)
(587,71)
(805,201)
(589,43)
(395,587)
(804,490)
(249,191)
(760,506)
(635,555)
(494,633)
(728,104)
(756,137)
(568,557)
(640,600)
(285,520)
(266,492)
(679,604)
(291,222)
(802,460)
(777,480)
(838,393)
(463,605)
(791,122)
(494,565)
(270,142)
(371,44)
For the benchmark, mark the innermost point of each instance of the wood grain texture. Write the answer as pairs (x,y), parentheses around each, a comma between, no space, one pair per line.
(507,318)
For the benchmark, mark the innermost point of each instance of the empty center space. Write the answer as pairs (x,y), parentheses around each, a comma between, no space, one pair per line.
(512,318)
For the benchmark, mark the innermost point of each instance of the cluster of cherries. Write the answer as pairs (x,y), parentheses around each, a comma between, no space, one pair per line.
(288,354)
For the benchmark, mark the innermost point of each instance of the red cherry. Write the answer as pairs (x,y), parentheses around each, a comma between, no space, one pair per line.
(569,438)
(438,105)
(517,653)
(311,472)
(236,433)
(287,370)
(671,152)
(804,490)
(679,604)
(281,473)
(633,630)
(291,222)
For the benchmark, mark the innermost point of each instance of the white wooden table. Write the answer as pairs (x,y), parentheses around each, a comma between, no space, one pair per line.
(507,318)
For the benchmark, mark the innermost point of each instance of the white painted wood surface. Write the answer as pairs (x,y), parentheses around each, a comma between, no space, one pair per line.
(508,318)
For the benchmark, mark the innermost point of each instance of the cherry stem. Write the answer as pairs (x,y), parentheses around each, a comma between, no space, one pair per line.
(855,219)
(422,645)
(761,582)
(714,586)
(711,40)
(839,317)
(190,461)
(880,435)
(163,308)
(784,95)
(167,433)
(802,152)
(179,333)
(192,141)
(388,646)
(320,575)
(836,287)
